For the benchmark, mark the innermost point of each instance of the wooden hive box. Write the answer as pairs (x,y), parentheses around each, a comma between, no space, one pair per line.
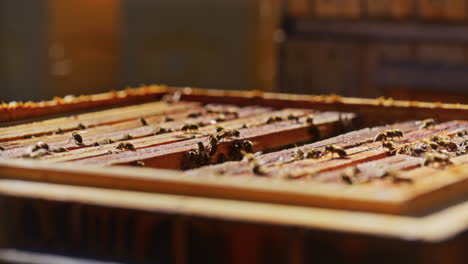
(92,172)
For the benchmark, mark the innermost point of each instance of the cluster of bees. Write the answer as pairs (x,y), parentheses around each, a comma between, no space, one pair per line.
(195,158)
(41,149)
(436,151)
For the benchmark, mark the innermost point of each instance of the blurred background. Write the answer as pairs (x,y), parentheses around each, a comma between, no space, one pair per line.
(407,49)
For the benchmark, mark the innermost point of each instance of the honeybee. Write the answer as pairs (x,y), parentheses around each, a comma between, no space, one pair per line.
(437,158)
(310,119)
(213,144)
(232,112)
(386,134)
(447,144)
(81,126)
(125,146)
(404,149)
(42,145)
(248,157)
(462,133)
(189,127)
(396,177)
(219,128)
(58,131)
(168,119)
(161,130)
(257,169)
(273,118)
(220,118)
(335,149)
(77,138)
(228,134)
(2,148)
(59,149)
(194,115)
(171,98)
(388,145)
(313,154)
(396,133)
(244,126)
(299,154)
(106,141)
(138,163)
(380,136)
(349,175)
(294,116)
(126,137)
(143,121)
(96,144)
(427,123)
(247,146)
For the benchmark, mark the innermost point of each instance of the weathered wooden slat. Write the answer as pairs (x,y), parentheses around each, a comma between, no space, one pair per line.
(257,118)
(263,137)
(116,132)
(92,119)
(308,167)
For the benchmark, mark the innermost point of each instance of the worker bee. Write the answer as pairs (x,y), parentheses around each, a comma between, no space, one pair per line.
(427,123)
(96,144)
(42,145)
(189,127)
(213,144)
(294,116)
(168,119)
(232,112)
(59,149)
(404,149)
(396,177)
(81,126)
(447,144)
(437,158)
(161,130)
(106,141)
(380,137)
(257,169)
(396,133)
(143,121)
(194,115)
(388,145)
(247,145)
(138,163)
(273,118)
(310,119)
(248,157)
(2,148)
(313,154)
(171,98)
(462,133)
(126,137)
(244,126)
(439,138)
(219,128)
(58,131)
(220,118)
(335,149)
(228,134)
(77,138)
(349,175)
(125,146)
(430,145)
(299,154)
